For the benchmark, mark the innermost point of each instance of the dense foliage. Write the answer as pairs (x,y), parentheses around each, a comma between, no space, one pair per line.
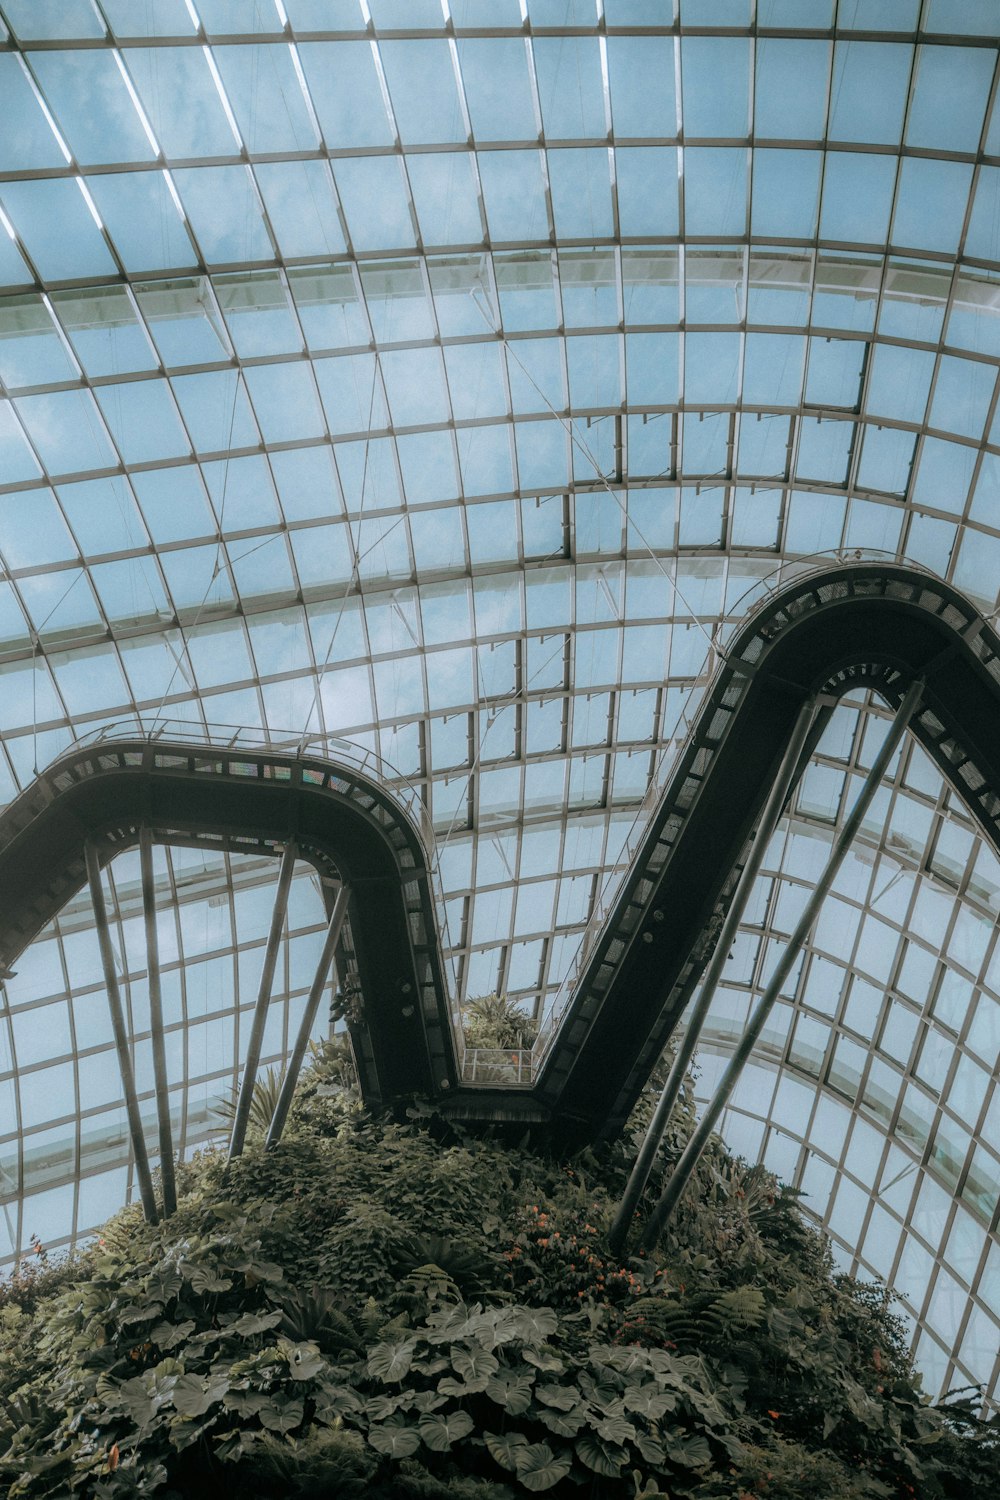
(494,1021)
(394,1311)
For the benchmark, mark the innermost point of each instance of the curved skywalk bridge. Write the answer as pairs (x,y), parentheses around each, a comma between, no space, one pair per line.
(834,629)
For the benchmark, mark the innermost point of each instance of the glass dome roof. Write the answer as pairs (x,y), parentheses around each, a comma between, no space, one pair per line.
(444,376)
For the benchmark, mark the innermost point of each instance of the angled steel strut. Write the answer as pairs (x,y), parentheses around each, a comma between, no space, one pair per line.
(256,1042)
(845,838)
(788,773)
(156,1023)
(291,1078)
(118,1027)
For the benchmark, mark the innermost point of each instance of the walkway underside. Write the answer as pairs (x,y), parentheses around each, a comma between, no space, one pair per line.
(831,631)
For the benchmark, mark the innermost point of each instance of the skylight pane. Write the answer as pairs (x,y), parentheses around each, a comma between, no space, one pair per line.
(951,88)
(422,90)
(301,206)
(869,91)
(790,92)
(39,20)
(26,138)
(264,91)
(347,94)
(224,213)
(716,81)
(144,220)
(375,203)
(581,193)
(58,228)
(87,95)
(570,86)
(514,193)
(164,74)
(498,88)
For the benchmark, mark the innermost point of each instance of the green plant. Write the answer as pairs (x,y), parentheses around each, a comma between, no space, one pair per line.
(494,1021)
(263,1099)
(409,1313)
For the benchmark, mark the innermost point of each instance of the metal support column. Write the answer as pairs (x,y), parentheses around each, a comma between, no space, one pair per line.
(845,838)
(156,1024)
(142,1171)
(256,1041)
(291,1077)
(788,772)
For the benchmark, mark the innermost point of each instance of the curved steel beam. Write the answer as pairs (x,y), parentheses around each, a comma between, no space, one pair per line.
(342,821)
(831,630)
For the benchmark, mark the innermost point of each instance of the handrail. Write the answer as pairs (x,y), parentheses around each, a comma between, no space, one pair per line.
(756,602)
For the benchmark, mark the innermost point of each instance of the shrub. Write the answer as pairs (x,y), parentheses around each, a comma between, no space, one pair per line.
(390,1310)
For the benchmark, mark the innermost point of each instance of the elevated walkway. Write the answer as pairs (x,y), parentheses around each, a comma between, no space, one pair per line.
(833,629)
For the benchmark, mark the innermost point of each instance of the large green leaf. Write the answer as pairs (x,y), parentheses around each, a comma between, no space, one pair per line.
(281,1413)
(380,1408)
(426,1401)
(648,1400)
(448,1324)
(334,1404)
(134,1397)
(504,1447)
(251,1323)
(304,1360)
(246,1403)
(601,1456)
(391,1362)
(440,1432)
(651,1449)
(205,1279)
(615,1429)
(692,1450)
(394,1438)
(194,1394)
(623,1358)
(563,1397)
(565,1423)
(538,1468)
(511,1389)
(163,1284)
(169,1335)
(457,1388)
(474,1365)
(534,1325)
(544,1359)
(139,1312)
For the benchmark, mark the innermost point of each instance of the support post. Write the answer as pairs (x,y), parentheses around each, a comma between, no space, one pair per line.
(845,838)
(291,1077)
(245,1098)
(142,1171)
(156,1024)
(788,772)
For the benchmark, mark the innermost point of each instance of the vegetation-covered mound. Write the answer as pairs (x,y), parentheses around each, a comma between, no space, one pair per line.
(388,1310)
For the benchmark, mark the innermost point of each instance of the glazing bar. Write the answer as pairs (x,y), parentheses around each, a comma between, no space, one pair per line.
(845,838)
(142,1171)
(291,1077)
(238,1137)
(156,1024)
(788,773)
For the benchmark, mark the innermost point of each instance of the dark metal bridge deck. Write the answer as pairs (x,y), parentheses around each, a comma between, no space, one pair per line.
(865,624)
